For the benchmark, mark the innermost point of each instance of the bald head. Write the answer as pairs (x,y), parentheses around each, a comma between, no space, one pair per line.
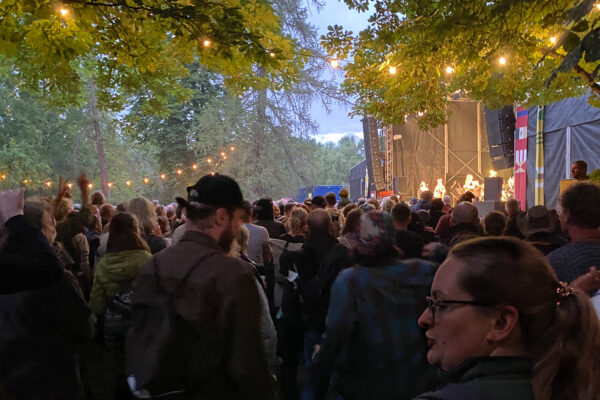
(465,212)
(319,220)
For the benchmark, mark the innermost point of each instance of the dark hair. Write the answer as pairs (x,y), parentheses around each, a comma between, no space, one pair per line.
(319,221)
(563,339)
(426,195)
(124,234)
(163,223)
(330,199)
(264,208)
(97,199)
(160,211)
(352,221)
(401,213)
(106,212)
(582,202)
(318,202)
(247,209)
(494,223)
(437,205)
(466,196)
(288,207)
(347,208)
(581,163)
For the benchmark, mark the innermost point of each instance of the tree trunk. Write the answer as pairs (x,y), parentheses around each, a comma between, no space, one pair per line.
(93,103)
(259,128)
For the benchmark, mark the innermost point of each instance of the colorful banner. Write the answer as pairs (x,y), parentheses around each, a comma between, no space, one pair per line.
(539,158)
(521,157)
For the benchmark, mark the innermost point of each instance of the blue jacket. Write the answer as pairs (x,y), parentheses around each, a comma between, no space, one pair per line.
(372,338)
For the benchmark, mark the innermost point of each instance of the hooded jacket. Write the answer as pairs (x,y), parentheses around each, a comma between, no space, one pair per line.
(113,269)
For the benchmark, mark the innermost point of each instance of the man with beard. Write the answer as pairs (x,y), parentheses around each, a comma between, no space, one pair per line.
(215,295)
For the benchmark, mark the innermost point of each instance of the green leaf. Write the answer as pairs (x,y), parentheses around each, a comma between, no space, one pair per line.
(571,41)
(591,46)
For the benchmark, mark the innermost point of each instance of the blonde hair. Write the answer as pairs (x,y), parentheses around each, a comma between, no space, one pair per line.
(297,220)
(143,209)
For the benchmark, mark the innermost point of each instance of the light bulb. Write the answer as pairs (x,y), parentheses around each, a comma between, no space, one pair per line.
(222,154)
(146,180)
(179,172)
(49,183)
(232,148)
(109,185)
(334,63)
(163,176)
(502,60)
(208,160)
(64,12)
(553,40)
(206,43)
(449,70)
(393,70)
(128,183)
(271,54)
(90,185)
(194,167)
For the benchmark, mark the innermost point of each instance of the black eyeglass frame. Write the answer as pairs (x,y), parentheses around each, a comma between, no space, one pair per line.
(432,304)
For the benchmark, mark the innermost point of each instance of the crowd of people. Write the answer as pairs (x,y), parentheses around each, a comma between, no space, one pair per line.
(215,297)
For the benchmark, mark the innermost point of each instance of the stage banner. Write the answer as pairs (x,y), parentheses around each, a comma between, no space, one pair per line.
(539,158)
(521,157)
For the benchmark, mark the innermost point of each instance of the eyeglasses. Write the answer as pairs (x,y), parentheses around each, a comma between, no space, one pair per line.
(440,306)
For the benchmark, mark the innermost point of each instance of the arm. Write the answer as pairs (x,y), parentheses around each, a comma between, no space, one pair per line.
(247,365)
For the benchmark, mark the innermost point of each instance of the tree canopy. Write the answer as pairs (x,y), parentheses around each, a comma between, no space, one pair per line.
(417,55)
(141,47)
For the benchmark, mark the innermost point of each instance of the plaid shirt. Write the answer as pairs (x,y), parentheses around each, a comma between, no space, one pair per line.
(372,338)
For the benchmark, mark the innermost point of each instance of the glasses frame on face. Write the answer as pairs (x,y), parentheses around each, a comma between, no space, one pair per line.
(432,305)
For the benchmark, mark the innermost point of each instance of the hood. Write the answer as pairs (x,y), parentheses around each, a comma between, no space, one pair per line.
(124,264)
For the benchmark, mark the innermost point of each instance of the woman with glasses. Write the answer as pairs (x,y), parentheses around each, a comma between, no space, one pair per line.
(502,326)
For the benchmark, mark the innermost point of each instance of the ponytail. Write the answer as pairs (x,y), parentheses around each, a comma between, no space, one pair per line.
(567,355)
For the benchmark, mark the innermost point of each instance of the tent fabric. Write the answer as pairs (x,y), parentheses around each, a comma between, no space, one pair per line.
(583,122)
(357,180)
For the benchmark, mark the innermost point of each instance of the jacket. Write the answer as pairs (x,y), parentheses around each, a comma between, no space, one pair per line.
(28,261)
(220,303)
(488,378)
(40,331)
(372,337)
(113,269)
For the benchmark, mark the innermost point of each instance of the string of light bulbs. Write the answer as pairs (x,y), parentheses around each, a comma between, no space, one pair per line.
(213,162)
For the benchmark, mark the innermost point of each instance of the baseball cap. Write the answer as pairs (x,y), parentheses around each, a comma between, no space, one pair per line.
(212,192)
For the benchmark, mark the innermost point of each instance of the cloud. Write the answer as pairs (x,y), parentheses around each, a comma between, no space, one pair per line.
(335,137)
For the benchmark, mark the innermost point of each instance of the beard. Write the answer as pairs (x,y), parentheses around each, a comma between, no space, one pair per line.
(226,238)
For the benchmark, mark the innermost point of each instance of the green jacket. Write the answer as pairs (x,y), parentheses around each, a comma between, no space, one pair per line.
(113,269)
(487,378)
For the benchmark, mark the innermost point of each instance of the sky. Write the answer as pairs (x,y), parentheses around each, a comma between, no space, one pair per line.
(335,125)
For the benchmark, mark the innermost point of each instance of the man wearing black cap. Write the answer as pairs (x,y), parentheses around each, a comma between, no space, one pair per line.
(218,299)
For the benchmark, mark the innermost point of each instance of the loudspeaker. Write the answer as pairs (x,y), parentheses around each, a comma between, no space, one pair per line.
(493,189)
(500,127)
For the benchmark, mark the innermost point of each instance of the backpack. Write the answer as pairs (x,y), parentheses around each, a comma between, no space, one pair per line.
(158,342)
(292,304)
(117,319)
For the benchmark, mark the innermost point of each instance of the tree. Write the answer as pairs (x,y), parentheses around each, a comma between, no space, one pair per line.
(417,55)
(139,47)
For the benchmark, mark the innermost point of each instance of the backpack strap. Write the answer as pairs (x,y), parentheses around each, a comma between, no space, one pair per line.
(185,277)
